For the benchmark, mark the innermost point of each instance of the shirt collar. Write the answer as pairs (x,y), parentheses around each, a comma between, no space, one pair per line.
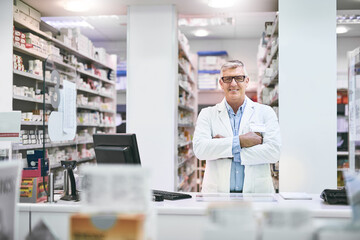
(231,111)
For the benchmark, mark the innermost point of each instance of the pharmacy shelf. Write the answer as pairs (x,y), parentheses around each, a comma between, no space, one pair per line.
(95,125)
(343,153)
(185,125)
(184,160)
(83,72)
(185,89)
(94,92)
(41,56)
(183,70)
(185,53)
(273,56)
(29,99)
(17,146)
(32,123)
(184,181)
(185,108)
(61,45)
(275,101)
(82,160)
(183,144)
(275,27)
(273,80)
(95,109)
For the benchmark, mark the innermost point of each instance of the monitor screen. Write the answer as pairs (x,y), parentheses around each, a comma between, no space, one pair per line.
(116,148)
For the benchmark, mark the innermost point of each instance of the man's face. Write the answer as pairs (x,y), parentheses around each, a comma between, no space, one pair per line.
(234,91)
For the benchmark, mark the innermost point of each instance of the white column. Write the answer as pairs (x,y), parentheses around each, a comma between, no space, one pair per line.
(152,88)
(6,50)
(307,94)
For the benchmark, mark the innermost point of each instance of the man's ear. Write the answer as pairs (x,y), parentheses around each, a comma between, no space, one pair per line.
(221,84)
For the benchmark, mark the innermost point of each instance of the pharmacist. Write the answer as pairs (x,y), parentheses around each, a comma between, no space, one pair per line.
(238,138)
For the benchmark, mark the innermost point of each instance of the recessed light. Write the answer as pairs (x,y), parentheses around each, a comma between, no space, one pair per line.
(77,5)
(221,3)
(341,29)
(201,33)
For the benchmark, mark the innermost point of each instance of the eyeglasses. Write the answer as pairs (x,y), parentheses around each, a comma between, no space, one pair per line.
(228,79)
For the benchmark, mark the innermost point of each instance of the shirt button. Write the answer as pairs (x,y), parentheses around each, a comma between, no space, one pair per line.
(236,187)
(237,171)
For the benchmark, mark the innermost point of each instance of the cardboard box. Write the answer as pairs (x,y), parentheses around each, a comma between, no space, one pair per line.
(36,15)
(23,7)
(106,227)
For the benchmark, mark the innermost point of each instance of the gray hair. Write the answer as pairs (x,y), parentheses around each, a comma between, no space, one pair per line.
(234,64)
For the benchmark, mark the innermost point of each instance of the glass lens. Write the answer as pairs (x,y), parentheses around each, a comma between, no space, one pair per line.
(229,79)
(239,78)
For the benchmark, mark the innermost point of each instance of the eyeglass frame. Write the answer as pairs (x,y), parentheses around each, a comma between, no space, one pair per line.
(233,78)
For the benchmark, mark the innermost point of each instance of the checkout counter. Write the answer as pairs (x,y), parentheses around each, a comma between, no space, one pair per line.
(184,219)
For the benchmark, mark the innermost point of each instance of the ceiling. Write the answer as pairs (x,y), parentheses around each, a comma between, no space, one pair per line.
(249,16)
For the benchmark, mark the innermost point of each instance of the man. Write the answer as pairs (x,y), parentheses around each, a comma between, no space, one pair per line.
(238,138)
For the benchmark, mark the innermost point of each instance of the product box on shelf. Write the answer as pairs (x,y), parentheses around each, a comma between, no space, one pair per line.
(32,190)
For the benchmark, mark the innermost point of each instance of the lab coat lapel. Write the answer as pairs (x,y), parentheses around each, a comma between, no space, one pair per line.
(224,117)
(248,112)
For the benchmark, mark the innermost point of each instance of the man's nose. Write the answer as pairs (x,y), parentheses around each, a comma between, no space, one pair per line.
(233,82)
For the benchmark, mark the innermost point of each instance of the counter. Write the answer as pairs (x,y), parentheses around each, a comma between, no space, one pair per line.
(181,219)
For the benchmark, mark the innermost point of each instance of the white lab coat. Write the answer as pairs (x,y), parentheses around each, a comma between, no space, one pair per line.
(218,152)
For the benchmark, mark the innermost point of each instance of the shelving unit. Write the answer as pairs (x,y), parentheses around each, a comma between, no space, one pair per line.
(353,111)
(186,162)
(103,95)
(342,135)
(268,77)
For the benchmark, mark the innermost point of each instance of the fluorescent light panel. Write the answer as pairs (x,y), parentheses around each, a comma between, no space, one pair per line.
(348,19)
(203,22)
(69,24)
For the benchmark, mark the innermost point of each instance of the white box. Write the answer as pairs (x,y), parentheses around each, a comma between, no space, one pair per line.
(36,15)
(23,7)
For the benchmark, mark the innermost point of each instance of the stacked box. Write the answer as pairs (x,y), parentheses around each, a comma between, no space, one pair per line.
(26,15)
(18,63)
(18,38)
(100,54)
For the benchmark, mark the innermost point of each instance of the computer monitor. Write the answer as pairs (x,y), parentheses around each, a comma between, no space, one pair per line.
(116,148)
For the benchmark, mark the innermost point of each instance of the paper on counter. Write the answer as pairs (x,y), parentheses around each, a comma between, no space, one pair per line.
(295,196)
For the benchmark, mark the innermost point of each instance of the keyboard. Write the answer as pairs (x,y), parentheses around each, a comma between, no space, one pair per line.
(170,195)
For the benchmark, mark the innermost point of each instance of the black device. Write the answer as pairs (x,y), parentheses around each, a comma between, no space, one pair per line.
(116,148)
(69,166)
(122,148)
(335,196)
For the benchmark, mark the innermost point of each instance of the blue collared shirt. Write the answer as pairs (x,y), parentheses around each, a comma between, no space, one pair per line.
(237,170)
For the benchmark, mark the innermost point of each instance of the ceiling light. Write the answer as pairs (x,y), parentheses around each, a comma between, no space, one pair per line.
(201,33)
(341,29)
(202,22)
(77,5)
(69,24)
(221,3)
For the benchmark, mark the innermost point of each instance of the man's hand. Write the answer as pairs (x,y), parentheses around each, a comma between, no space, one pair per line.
(218,136)
(250,139)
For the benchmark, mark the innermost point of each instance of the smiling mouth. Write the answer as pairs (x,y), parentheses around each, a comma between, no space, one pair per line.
(233,90)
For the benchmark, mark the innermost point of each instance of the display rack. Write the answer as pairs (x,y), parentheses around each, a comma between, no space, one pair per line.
(187,109)
(354,106)
(342,134)
(103,106)
(268,77)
